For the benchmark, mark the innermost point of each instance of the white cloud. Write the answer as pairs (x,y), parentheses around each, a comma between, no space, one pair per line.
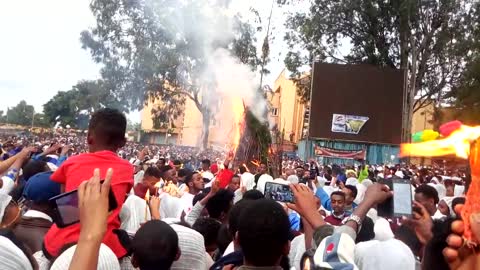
(40,52)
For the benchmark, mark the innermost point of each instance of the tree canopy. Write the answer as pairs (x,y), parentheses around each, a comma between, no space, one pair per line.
(160,49)
(22,114)
(430,39)
(73,107)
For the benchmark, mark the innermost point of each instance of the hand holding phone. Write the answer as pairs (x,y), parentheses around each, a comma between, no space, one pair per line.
(88,204)
(278,192)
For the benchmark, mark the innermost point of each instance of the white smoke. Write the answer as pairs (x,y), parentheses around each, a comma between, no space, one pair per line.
(225,79)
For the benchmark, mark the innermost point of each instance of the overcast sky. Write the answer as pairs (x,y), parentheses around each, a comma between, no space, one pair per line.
(40,51)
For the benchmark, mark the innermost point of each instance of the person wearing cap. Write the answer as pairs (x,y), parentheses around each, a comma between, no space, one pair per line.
(9,212)
(36,222)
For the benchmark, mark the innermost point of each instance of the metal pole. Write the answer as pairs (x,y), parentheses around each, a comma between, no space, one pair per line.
(33,117)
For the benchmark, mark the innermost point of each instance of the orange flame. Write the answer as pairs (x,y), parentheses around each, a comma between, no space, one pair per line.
(457,143)
(238,111)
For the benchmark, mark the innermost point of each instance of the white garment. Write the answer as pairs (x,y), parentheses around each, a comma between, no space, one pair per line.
(382,230)
(138,177)
(107,260)
(351,181)
(297,248)
(170,207)
(391,254)
(361,190)
(37,214)
(12,257)
(5,200)
(187,201)
(293,179)
(261,182)
(247,180)
(7,186)
(230,249)
(193,253)
(135,212)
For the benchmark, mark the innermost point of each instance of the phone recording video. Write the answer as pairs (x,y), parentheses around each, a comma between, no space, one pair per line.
(278,192)
(66,211)
(402,198)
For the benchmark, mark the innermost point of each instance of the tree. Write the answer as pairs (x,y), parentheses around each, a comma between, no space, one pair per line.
(73,107)
(430,39)
(161,49)
(21,114)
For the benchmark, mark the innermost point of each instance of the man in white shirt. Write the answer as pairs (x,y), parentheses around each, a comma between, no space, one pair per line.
(247,179)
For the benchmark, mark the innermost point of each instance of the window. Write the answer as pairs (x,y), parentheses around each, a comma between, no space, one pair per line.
(275,111)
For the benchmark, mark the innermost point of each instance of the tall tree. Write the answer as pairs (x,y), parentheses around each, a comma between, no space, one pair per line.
(159,49)
(21,114)
(74,106)
(429,38)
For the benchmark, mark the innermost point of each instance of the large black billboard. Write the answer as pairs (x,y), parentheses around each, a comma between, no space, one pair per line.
(359,103)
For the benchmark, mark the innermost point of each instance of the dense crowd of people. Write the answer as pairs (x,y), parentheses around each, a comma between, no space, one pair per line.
(180,208)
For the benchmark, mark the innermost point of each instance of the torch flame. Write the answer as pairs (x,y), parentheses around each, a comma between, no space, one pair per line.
(457,143)
(238,111)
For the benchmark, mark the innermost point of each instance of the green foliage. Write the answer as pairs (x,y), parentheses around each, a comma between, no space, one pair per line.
(21,114)
(73,107)
(429,38)
(260,135)
(467,94)
(159,49)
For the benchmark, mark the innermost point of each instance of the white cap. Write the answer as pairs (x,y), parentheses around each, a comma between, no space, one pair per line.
(107,260)
(4,201)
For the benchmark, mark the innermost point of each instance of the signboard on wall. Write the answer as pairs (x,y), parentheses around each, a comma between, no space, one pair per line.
(334,153)
(361,91)
(351,124)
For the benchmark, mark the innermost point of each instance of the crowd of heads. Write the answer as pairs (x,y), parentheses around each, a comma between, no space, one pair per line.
(180,208)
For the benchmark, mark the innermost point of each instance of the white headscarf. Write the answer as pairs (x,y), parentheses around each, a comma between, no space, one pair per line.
(391,254)
(382,229)
(192,247)
(351,181)
(107,260)
(293,179)
(361,189)
(12,257)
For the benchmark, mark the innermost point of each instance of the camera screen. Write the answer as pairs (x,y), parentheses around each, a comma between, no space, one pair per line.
(402,199)
(278,192)
(68,208)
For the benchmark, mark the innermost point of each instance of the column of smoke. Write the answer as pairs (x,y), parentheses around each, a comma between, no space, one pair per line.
(227,81)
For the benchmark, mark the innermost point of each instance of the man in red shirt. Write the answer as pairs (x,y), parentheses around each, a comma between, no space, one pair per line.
(106,134)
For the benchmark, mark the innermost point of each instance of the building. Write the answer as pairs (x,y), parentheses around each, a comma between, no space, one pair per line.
(186,129)
(286,111)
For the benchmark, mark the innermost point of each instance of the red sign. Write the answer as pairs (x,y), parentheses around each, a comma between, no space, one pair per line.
(334,153)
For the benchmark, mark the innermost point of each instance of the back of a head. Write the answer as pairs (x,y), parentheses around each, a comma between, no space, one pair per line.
(253,194)
(428,192)
(263,232)
(33,167)
(152,171)
(108,127)
(208,228)
(152,237)
(378,254)
(220,203)
(242,169)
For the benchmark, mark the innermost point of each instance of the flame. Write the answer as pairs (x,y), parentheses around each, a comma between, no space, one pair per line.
(458,143)
(238,111)
(147,195)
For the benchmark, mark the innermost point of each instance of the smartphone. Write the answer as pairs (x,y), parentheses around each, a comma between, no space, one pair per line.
(385,209)
(402,198)
(278,192)
(66,211)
